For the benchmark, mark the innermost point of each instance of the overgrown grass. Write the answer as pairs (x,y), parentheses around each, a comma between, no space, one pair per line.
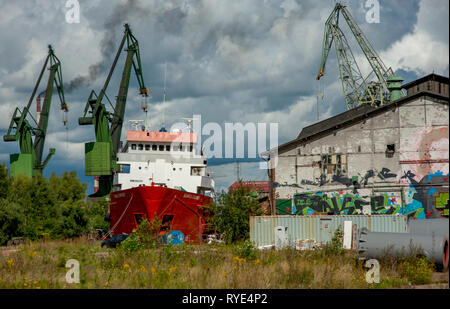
(42,265)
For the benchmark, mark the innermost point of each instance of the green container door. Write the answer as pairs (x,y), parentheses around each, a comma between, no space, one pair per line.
(97,158)
(21,164)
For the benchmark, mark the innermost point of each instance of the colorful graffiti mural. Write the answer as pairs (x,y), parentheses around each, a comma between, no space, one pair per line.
(429,195)
(422,199)
(344,204)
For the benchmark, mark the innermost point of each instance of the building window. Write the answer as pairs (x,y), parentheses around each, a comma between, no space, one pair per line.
(167,147)
(191,148)
(390,150)
(335,164)
(147,147)
(154,147)
(125,168)
(161,147)
(359,148)
(133,146)
(140,147)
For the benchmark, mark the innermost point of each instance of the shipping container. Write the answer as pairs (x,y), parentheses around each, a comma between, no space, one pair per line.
(320,228)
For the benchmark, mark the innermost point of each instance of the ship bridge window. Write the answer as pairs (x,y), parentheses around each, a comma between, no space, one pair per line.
(140,147)
(161,147)
(154,147)
(133,146)
(196,171)
(147,147)
(125,168)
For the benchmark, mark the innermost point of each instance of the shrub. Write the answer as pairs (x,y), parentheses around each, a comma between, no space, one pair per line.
(232,211)
(246,250)
(417,270)
(131,244)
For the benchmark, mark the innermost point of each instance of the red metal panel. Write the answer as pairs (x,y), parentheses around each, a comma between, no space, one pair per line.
(158,201)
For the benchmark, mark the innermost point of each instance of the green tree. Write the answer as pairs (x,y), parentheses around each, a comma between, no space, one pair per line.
(4,181)
(232,213)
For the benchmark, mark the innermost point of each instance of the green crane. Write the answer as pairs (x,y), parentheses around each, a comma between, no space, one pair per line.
(357,89)
(101,155)
(29,160)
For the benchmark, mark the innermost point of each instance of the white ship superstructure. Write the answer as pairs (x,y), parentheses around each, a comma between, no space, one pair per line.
(165,159)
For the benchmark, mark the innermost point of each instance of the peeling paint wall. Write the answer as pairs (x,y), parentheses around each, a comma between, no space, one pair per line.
(393,162)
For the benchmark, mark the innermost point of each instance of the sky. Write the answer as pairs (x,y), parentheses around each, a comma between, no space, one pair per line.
(246,61)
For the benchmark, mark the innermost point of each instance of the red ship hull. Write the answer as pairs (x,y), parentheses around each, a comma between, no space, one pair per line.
(181,210)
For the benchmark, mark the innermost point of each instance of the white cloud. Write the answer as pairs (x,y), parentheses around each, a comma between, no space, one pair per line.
(426,49)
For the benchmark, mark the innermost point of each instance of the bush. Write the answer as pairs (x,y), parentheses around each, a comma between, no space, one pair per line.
(131,244)
(417,270)
(232,213)
(246,250)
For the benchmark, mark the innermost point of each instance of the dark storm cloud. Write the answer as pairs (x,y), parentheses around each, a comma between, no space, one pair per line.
(108,43)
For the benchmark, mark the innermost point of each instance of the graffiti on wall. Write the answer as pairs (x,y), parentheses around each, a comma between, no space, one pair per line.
(429,195)
(423,199)
(344,204)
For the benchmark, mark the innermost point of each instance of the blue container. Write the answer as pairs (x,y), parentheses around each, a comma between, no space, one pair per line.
(174,238)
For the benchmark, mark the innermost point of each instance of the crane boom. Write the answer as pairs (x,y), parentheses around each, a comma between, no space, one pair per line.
(29,161)
(358,90)
(101,155)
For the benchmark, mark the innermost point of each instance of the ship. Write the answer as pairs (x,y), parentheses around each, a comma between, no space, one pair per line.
(161,174)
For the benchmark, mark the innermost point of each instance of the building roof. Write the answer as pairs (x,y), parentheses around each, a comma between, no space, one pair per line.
(353,115)
(260,186)
(431,76)
(161,137)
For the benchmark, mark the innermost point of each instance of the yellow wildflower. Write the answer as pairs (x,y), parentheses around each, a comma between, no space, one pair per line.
(143,269)
(25,284)
(234,267)
(38,287)
(35,282)
(224,274)
(171,269)
(126,266)
(257,262)
(10,262)
(153,270)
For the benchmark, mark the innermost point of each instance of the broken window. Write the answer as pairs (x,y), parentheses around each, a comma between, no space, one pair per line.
(335,164)
(138,218)
(390,150)
(166,222)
